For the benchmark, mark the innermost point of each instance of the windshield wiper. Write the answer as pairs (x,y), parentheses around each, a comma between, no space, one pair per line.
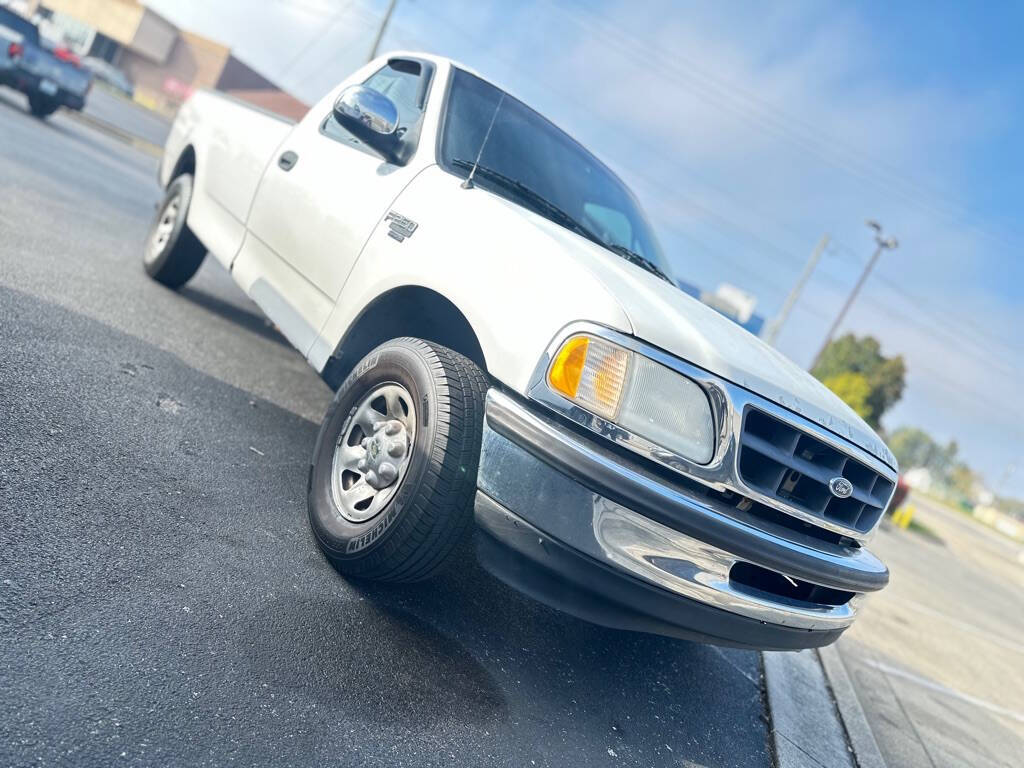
(532,199)
(545,207)
(641,261)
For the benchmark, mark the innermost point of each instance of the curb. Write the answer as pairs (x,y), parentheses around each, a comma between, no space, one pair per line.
(805,725)
(815,717)
(112,130)
(858,730)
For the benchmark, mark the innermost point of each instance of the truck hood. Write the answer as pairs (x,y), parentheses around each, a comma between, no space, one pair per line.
(664,316)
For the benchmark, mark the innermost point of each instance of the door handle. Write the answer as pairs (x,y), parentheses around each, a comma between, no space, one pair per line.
(288,160)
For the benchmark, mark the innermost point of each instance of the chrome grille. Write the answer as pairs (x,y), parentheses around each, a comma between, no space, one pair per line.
(785,463)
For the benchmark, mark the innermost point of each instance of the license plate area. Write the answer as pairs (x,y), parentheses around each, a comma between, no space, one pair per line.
(48,87)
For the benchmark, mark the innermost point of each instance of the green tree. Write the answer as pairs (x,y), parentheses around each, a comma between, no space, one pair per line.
(963,481)
(912,447)
(853,389)
(885,376)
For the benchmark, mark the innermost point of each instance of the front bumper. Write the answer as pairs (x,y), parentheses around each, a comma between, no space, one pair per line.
(587,530)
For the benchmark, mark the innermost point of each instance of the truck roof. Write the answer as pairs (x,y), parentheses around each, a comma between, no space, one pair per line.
(436,59)
(439,60)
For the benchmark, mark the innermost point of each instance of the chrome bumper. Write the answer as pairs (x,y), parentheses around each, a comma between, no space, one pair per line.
(622,515)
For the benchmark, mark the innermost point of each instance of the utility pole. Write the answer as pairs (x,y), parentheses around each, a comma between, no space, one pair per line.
(317,36)
(881,244)
(1004,481)
(383,28)
(787,307)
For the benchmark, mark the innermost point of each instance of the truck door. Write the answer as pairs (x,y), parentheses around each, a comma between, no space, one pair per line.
(319,200)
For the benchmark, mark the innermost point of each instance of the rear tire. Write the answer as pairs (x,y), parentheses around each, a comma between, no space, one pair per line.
(41,106)
(426,419)
(173,253)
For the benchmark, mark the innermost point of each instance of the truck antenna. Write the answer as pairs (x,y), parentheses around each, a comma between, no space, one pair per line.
(468,183)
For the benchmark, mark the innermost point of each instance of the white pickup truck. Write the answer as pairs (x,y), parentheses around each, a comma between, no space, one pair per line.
(495,315)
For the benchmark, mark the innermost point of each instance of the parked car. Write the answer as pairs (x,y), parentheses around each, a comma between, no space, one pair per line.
(495,314)
(26,65)
(899,496)
(107,73)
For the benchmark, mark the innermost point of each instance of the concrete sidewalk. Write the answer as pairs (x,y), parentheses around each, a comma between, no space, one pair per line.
(936,661)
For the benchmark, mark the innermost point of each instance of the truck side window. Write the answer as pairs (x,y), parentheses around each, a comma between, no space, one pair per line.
(404,82)
(400,82)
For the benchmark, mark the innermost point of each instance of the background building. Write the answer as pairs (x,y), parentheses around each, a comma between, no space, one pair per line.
(165,63)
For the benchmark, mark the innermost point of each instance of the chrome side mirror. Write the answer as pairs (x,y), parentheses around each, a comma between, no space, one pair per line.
(362,110)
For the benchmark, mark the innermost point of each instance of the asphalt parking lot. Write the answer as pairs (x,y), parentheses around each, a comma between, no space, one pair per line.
(161,600)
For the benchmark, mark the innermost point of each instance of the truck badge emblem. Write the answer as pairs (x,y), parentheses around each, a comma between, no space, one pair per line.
(400,227)
(841,487)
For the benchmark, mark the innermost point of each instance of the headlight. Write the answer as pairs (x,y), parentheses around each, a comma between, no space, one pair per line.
(638,394)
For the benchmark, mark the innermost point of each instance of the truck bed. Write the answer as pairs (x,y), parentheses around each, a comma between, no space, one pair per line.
(235,142)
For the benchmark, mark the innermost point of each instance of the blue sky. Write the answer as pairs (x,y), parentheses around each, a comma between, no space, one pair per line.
(748,131)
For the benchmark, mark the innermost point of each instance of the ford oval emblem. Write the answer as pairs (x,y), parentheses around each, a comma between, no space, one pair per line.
(841,487)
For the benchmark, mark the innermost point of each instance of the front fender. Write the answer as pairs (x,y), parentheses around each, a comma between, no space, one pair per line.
(515,282)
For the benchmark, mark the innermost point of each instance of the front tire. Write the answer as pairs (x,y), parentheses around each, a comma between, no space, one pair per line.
(393,474)
(173,253)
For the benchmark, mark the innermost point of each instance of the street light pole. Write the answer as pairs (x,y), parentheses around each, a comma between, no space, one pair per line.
(777,323)
(881,244)
(382,29)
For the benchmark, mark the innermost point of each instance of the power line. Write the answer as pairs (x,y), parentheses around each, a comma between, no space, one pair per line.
(316,38)
(943,316)
(729,223)
(648,179)
(979,398)
(954,335)
(721,223)
(703,85)
(952,342)
(798,126)
(786,254)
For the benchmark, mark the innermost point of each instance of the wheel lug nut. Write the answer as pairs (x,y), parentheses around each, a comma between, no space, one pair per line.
(396,449)
(372,479)
(393,428)
(361,465)
(388,472)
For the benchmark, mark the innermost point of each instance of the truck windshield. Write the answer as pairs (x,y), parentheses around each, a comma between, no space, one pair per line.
(20,25)
(523,157)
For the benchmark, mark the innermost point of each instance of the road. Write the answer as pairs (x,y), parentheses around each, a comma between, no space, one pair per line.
(161,600)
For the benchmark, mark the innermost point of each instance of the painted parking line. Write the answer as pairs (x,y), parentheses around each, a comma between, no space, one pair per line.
(931,685)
